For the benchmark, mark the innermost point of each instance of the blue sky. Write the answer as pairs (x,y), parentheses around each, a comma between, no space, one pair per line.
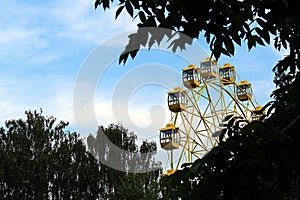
(44,44)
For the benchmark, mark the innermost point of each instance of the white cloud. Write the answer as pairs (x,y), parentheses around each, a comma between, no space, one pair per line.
(19,43)
(22,35)
(82,22)
(144,121)
(60,27)
(10,111)
(36,40)
(32,94)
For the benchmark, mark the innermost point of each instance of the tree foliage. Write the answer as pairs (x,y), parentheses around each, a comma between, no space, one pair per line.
(118,184)
(259,162)
(223,23)
(39,160)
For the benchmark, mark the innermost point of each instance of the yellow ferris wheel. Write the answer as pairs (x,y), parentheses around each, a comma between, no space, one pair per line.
(210,93)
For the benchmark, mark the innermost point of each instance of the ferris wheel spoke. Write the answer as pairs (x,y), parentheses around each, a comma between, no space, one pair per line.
(198,112)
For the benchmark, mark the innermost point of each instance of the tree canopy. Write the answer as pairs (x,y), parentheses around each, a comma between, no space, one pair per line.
(40,160)
(223,23)
(118,184)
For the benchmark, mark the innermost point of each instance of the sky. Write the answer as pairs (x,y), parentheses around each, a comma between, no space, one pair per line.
(57,54)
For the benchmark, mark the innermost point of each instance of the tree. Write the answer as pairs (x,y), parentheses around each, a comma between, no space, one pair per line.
(224,23)
(117,183)
(142,185)
(39,160)
(260,161)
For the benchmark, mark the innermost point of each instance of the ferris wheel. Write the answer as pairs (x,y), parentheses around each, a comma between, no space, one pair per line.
(209,94)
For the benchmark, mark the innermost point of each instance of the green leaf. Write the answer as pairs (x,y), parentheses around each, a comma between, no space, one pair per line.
(284,44)
(261,22)
(142,16)
(259,40)
(97,3)
(105,4)
(229,132)
(225,52)
(263,34)
(146,8)
(151,22)
(229,46)
(196,165)
(135,3)
(133,53)
(119,11)
(123,58)
(227,117)
(237,39)
(129,8)
(207,36)
(250,42)
(222,134)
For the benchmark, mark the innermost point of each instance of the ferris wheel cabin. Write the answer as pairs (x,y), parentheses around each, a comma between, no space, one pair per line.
(227,74)
(169,137)
(177,100)
(208,69)
(191,77)
(244,91)
(257,112)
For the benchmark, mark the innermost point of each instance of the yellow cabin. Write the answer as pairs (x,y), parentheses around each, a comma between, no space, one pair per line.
(191,77)
(169,172)
(227,74)
(208,69)
(244,91)
(169,137)
(257,112)
(177,100)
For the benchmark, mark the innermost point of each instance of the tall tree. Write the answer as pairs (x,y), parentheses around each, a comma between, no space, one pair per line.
(40,160)
(142,186)
(118,183)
